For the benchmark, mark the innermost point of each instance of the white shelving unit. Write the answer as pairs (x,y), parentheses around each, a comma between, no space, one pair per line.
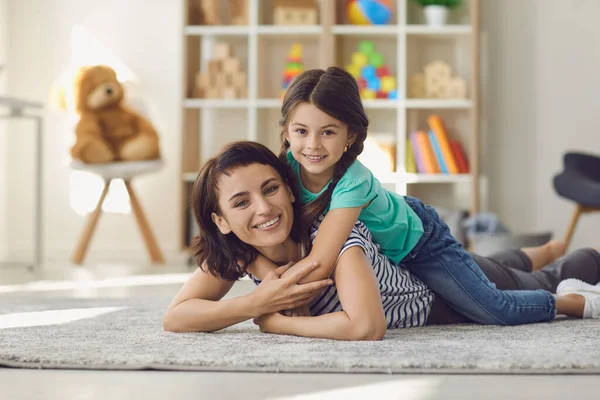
(406,45)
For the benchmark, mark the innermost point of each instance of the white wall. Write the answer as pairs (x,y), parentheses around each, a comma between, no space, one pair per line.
(542,101)
(3,125)
(146,36)
(542,61)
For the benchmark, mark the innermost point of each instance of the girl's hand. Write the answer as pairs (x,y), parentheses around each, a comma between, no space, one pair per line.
(268,322)
(303,311)
(276,293)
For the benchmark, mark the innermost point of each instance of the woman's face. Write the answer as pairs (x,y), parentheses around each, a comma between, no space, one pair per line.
(256,206)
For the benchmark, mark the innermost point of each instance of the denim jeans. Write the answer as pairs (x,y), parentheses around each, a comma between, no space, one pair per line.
(441,262)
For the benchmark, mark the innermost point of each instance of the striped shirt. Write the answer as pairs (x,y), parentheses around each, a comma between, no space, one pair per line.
(406,300)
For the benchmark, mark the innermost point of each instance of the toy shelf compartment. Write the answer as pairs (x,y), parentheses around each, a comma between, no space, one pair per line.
(342,17)
(457,17)
(293,13)
(218,72)
(273,59)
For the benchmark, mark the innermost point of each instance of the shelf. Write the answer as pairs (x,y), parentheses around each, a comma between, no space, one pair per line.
(397,177)
(406,45)
(443,31)
(438,103)
(371,30)
(297,30)
(268,103)
(369,104)
(436,178)
(190,176)
(216,30)
(216,103)
(381,104)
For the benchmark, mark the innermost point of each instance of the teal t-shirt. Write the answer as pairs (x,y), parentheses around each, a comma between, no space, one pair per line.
(393,224)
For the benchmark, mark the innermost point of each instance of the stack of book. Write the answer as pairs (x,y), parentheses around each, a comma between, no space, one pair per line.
(434,152)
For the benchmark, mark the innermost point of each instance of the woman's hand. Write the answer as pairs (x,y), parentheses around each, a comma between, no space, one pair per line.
(276,293)
(268,322)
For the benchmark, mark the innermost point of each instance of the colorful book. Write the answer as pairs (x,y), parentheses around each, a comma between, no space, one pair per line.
(429,161)
(437,126)
(437,152)
(459,156)
(417,152)
(411,166)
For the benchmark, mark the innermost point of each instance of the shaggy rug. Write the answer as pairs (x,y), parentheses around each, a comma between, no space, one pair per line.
(126,334)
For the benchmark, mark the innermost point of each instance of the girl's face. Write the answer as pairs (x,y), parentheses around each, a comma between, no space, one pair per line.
(256,206)
(317,140)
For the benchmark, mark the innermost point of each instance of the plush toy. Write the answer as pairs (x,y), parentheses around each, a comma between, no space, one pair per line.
(107,131)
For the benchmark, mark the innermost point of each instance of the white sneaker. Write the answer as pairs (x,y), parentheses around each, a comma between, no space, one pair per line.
(591,293)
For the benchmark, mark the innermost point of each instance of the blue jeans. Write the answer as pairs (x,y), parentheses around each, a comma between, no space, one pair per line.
(441,262)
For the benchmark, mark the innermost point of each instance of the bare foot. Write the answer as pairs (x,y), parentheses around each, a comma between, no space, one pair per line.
(543,255)
(557,249)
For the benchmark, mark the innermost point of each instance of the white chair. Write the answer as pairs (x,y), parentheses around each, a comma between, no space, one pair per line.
(125,171)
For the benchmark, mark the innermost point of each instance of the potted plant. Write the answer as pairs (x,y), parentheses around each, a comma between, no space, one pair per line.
(436,11)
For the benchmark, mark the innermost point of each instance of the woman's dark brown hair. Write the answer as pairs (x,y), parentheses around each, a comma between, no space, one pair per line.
(335,92)
(226,256)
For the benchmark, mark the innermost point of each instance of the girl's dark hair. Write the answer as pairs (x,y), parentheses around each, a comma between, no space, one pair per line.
(335,92)
(226,256)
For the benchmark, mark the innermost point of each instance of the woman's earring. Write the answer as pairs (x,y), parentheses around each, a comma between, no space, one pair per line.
(346,148)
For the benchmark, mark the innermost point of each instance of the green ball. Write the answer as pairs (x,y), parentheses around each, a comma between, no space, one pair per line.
(366,46)
(376,60)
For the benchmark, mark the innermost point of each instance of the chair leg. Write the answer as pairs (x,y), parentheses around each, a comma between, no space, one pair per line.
(153,249)
(572,224)
(88,231)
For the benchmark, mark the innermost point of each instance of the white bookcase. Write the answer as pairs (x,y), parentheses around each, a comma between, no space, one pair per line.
(406,44)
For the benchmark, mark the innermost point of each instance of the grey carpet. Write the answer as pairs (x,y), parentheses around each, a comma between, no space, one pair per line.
(132,339)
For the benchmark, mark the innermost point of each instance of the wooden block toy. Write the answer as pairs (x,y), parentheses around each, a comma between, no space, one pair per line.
(232,65)
(238,10)
(196,14)
(211,93)
(230,93)
(220,81)
(437,79)
(417,86)
(202,80)
(214,67)
(223,77)
(222,51)
(211,12)
(238,79)
(197,92)
(457,88)
(294,12)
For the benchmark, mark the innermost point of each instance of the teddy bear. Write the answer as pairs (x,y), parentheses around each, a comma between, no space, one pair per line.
(107,131)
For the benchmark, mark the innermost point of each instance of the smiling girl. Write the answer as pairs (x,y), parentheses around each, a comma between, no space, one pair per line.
(323,128)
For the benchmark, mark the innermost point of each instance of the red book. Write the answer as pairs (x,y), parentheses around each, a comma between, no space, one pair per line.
(459,155)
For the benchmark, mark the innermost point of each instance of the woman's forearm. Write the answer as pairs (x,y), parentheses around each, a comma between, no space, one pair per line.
(198,315)
(337,325)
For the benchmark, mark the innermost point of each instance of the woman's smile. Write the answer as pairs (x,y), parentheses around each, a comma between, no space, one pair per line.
(269,225)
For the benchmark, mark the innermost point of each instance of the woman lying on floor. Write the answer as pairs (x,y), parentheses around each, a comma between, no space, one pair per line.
(244,205)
